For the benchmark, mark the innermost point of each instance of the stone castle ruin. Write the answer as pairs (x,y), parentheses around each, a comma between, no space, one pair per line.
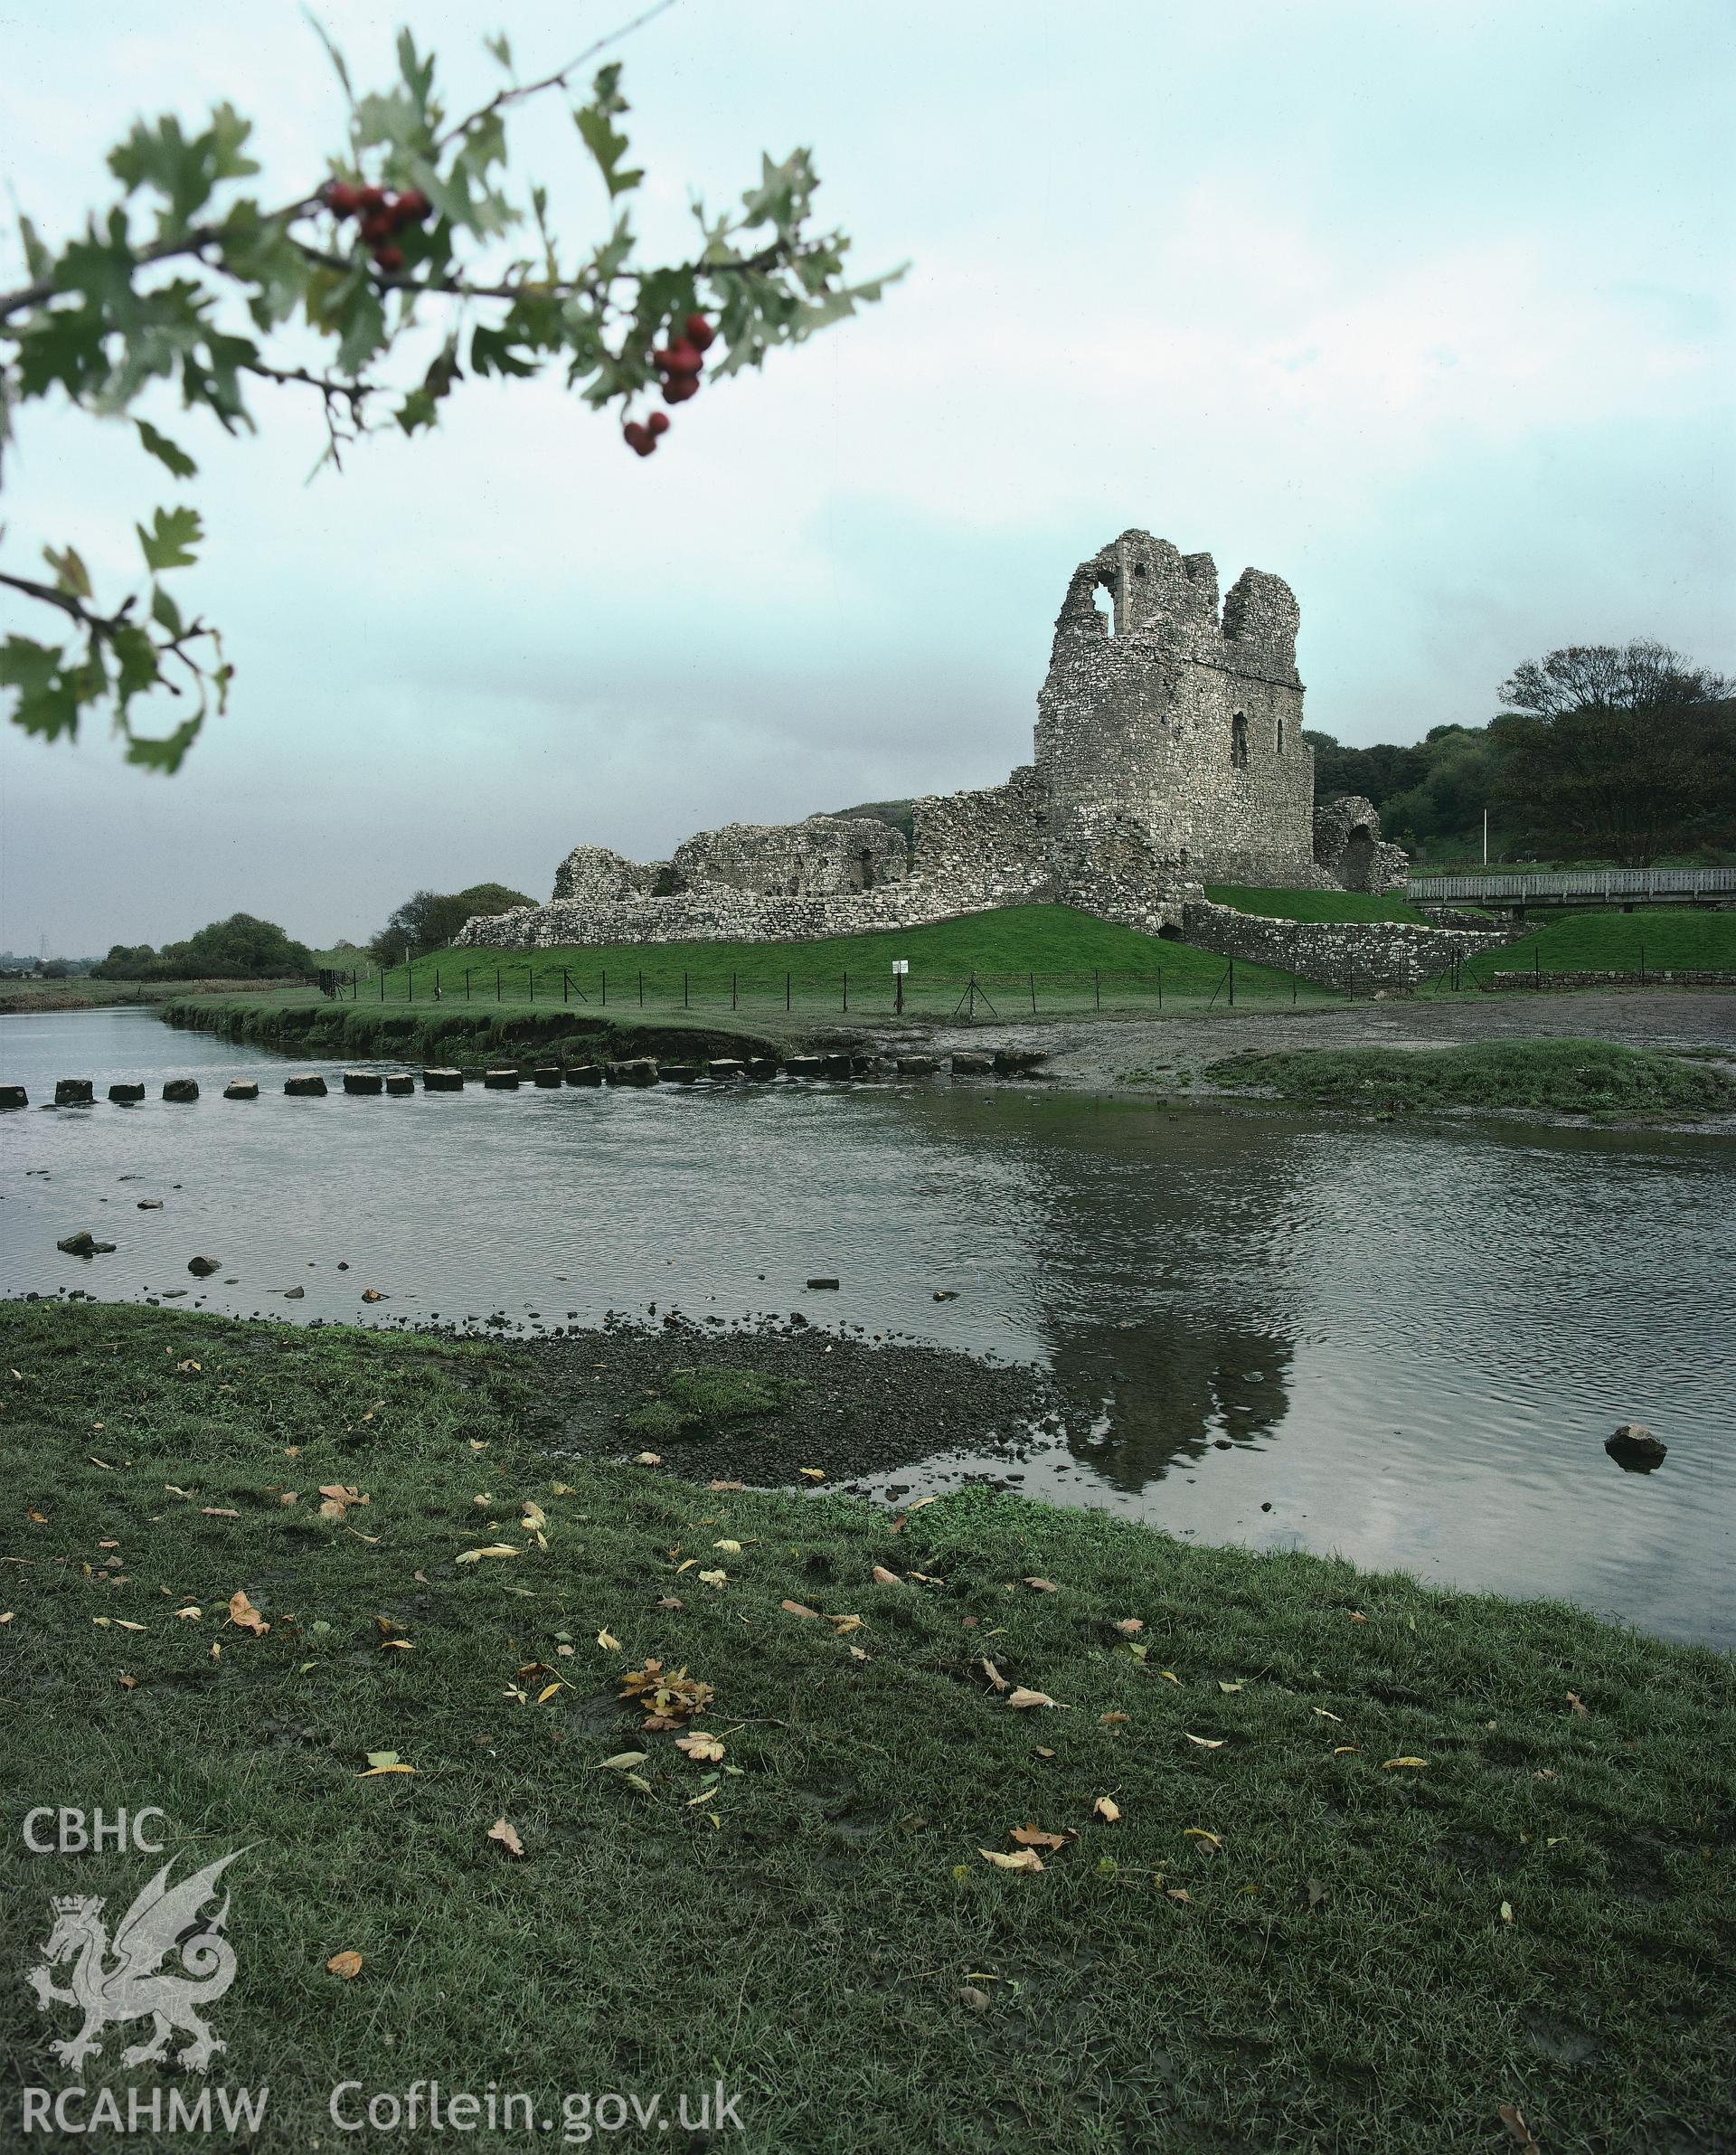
(1169,754)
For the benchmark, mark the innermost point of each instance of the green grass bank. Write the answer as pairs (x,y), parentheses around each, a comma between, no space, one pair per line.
(1660,939)
(1329,1860)
(1584,1077)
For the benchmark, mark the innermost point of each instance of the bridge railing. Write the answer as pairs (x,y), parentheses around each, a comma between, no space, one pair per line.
(1578,883)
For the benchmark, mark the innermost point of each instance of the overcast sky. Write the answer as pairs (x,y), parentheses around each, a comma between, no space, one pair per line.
(1424,308)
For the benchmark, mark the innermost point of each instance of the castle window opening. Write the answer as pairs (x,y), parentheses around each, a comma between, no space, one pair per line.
(1238,741)
(866,860)
(1106,614)
(1280,733)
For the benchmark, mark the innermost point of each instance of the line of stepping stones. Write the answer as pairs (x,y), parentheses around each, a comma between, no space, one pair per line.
(639,1070)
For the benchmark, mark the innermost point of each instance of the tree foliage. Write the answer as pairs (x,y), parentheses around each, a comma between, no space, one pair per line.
(1620,750)
(188,282)
(240,947)
(428,920)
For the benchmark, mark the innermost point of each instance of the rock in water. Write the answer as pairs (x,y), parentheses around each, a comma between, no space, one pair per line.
(181,1088)
(202,1268)
(83,1244)
(1635,1449)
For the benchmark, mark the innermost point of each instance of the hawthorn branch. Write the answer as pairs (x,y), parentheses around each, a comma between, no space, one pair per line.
(558,81)
(99,626)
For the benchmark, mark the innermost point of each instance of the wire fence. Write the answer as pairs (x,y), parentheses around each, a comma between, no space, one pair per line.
(1234,983)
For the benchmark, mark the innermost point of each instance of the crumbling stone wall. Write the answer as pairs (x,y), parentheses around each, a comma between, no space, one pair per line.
(1169,754)
(1349,847)
(1395,955)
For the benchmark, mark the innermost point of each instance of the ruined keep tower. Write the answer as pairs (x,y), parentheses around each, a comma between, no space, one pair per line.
(1168,729)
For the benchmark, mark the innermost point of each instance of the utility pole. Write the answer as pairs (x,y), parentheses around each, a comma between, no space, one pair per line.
(1486,837)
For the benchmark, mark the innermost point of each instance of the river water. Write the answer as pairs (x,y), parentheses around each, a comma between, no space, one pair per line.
(1409,1341)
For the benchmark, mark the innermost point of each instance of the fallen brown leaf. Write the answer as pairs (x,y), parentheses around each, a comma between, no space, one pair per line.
(244,1616)
(506,1834)
(1033,1837)
(698,1744)
(1128,1625)
(883,1577)
(1023,1696)
(1107,1809)
(798,1608)
(1043,1586)
(1024,1860)
(347,1964)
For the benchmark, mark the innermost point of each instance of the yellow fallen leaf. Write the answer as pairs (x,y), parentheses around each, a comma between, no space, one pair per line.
(401,1646)
(807,1473)
(1506,1911)
(798,1608)
(730,1548)
(217,1512)
(1199,1833)
(348,1965)
(1111,1720)
(1206,1743)
(549,1690)
(1022,1697)
(1107,1809)
(1130,1625)
(1223,1687)
(698,1744)
(1169,1676)
(883,1577)
(998,1682)
(1043,1586)
(842,1625)
(127,1683)
(647,1459)
(506,1834)
(1338,1750)
(397,1766)
(620,1761)
(493,1549)
(718,1578)
(1023,1859)
(1177,1893)
(1326,1716)
(1385,1763)
(534,1516)
(244,1616)
(609,1642)
(1577,1703)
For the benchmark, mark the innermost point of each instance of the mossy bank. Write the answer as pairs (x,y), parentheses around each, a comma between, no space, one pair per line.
(1303,1857)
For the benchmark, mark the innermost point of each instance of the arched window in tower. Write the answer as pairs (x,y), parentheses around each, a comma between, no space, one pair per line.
(1238,741)
(1280,733)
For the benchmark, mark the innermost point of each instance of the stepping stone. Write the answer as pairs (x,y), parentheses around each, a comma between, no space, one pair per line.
(822,1282)
(241,1089)
(1017,1062)
(364,1081)
(15,1096)
(501,1081)
(181,1088)
(638,1070)
(584,1073)
(442,1081)
(761,1069)
(840,1066)
(804,1066)
(311,1087)
(725,1066)
(73,1092)
(547,1076)
(969,1063)
(677,1073)
(399,1082)
(125,1094)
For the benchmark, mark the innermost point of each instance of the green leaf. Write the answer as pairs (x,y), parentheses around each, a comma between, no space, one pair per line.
(421,407)
(184,172)
(48,701)
(168,542)
(492,351)
(166,752)
(71,575)
(165,613)
(165,450)
(361,315)
(339,64)
(135,657)
(604,142)
(40,261)
(499,48)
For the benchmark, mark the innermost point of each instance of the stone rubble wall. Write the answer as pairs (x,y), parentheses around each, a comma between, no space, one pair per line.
(1365,954)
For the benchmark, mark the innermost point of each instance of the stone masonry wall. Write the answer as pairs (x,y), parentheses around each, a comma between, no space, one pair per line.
(1395,955)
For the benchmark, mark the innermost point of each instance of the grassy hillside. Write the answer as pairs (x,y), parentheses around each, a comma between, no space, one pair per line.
(1313,906)
(1668,937)
(1307,1857)
(1062,947)
(1586,1077)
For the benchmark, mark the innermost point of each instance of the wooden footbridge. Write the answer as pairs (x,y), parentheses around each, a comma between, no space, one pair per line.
(1517,890)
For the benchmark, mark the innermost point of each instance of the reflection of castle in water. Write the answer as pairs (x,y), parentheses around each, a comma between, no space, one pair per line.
(1165,1391)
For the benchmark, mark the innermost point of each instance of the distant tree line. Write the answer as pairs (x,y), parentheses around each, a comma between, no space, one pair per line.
(238,949)
(1604,753)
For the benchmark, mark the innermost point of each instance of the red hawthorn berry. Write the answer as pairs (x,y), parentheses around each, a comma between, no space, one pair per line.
(372,198)
(678,388)
(389,258)
(657,422)
(660,359)
(342,199)
(699,332)
(377,225)
(640,439)
(684,359)
(412,205)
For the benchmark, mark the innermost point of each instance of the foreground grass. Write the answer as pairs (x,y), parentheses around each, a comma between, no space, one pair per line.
(1573,1076)
(1295,1936)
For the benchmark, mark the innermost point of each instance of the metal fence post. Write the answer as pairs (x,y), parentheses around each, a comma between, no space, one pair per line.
(530,975)
(1232,983)
(641,987)
(1097,989)
(605,989)
(1160,987)
(1033,995)
(684,991)
(732,991)
(496,984)
(566,984)
(786,991)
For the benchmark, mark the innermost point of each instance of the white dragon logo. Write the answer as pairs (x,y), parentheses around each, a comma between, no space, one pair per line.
(163,1919)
